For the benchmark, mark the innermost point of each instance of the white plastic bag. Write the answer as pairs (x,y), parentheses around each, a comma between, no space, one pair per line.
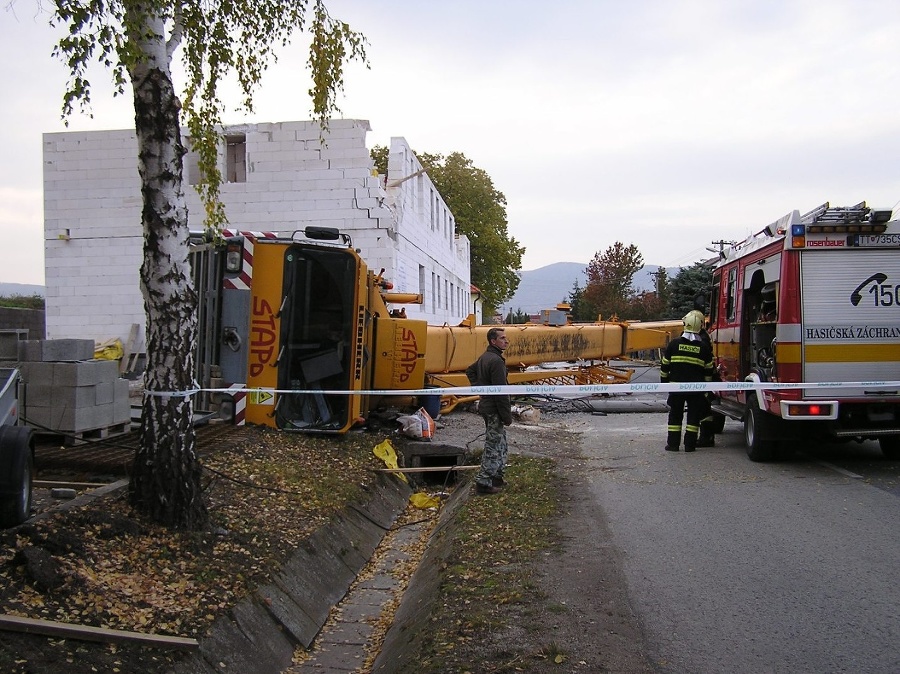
(419,425)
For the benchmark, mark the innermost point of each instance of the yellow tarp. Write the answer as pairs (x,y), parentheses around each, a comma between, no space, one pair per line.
(386,452)
(423,501)
(111,349)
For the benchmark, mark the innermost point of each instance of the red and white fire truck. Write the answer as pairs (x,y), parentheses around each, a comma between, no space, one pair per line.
(811,299)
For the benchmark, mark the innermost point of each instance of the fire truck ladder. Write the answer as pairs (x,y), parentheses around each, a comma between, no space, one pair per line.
(842,215)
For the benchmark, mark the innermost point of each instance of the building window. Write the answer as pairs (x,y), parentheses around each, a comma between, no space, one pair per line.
(236,158)
(434,288)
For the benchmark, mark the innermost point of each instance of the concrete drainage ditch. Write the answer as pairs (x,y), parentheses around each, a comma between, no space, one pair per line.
(261,634)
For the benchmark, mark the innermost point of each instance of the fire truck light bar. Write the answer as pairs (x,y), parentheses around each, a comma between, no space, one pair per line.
(837,229)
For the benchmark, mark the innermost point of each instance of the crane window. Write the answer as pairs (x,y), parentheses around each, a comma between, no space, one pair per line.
(318,311)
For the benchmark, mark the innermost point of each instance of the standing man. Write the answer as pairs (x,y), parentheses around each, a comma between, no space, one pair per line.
(687,359)
(490,370)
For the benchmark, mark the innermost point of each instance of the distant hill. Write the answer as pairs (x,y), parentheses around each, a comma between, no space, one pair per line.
(23,289)
(546,287)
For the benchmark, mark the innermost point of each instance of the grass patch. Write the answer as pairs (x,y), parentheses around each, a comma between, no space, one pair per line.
(487,594)
(266,491)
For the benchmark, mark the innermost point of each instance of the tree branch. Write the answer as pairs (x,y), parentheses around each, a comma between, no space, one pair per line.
(177,32)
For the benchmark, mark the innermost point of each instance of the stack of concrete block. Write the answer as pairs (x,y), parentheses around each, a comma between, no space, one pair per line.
(9,343)
(67,391)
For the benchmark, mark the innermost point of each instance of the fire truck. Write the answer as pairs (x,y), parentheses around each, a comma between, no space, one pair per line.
(812,299)
(287,322)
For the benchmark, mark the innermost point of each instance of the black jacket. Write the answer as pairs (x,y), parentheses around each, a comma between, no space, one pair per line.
(687,360)
(490,370)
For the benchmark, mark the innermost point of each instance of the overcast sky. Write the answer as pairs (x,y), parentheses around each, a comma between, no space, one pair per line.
(668,124)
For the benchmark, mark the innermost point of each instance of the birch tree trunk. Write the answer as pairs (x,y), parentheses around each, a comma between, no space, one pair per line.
(165,483)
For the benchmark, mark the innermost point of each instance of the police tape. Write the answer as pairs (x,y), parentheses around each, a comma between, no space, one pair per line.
(566,390)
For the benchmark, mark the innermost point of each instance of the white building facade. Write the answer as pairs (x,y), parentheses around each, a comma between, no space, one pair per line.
(280,177)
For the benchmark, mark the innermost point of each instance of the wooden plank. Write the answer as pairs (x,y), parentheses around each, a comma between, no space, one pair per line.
(425,469)
(51,484)
(86,633)
(128,349)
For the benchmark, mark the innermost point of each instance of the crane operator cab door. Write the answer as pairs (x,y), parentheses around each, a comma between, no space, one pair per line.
(305,306)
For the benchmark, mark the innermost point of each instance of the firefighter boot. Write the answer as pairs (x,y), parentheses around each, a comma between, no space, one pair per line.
(706,438)
(690,441)
(673,439)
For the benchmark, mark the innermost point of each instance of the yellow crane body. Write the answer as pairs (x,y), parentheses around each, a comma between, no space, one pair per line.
(301,319)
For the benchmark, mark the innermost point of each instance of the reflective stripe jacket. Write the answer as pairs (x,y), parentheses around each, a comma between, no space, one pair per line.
(686,360)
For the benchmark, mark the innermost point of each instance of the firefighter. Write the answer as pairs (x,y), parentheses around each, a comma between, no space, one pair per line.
(687,359)
(707,437)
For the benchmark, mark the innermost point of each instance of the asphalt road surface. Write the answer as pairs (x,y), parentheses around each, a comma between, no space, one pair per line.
(735,566)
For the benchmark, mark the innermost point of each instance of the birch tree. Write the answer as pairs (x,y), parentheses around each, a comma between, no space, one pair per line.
(137,40)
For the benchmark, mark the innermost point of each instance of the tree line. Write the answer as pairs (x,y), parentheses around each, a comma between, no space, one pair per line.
(610,294)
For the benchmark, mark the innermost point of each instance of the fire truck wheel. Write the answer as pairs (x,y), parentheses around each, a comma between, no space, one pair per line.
(755,427)
(890,446)
(16,473)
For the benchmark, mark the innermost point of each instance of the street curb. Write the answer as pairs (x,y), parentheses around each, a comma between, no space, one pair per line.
(260,634)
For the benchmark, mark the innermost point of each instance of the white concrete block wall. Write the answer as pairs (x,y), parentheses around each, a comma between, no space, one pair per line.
(426,237)
(92,234)
(94,241)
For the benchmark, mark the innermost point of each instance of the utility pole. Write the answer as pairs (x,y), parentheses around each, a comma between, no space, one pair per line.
(721,244)
(657,275)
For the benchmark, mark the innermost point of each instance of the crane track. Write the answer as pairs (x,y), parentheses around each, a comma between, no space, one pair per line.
(114,455)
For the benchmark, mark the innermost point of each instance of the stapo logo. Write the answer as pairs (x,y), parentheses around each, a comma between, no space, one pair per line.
(262,336)
(406,354)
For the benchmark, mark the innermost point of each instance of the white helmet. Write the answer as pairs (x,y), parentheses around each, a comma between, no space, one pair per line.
(693,321)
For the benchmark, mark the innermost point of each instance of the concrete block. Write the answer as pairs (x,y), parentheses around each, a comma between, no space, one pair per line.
(37,372)
(9,343)
(76,419)
(121,412)
(29,350)
(105,392)
(76,397)
(85,373)
(67,349)
(37,395)
(121,390)
(40,417)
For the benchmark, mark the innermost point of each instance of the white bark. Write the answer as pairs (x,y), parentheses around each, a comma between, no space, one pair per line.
(166,480)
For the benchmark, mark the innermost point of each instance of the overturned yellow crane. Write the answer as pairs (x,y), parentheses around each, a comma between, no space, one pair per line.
(307,341)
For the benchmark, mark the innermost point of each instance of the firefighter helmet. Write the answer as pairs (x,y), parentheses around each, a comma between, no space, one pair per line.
(693,321)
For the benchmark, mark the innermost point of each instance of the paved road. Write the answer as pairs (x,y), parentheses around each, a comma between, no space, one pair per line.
(736,566)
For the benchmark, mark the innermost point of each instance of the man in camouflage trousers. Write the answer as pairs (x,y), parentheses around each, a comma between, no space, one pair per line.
(490,370)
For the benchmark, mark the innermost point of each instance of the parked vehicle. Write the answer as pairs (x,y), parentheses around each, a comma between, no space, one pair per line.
(16,454)
(814,299)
